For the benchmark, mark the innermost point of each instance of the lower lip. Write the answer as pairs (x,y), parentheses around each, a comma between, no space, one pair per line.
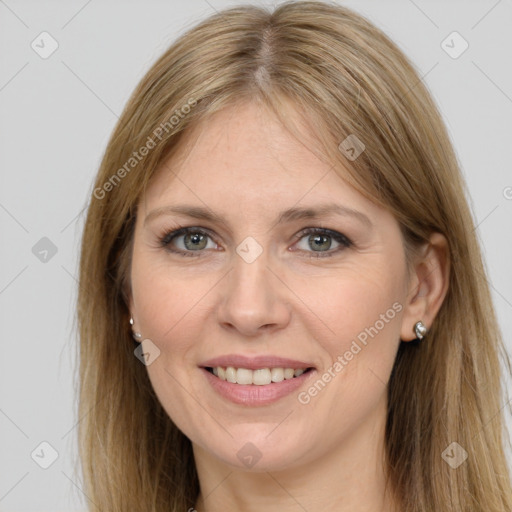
(253,395)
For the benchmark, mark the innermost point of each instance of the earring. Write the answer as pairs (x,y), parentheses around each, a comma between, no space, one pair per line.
(420,330)
(136,335)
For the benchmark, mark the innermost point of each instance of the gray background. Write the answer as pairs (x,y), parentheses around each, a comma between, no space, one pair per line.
(55,118)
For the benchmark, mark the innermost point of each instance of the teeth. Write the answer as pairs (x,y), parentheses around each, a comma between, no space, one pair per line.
(261,377)
(277,374)
(258,377)
(243,376)
(289,373)
(231,374)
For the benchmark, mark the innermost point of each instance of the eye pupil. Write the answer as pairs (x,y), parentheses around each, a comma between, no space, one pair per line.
(317,240)
(195,238)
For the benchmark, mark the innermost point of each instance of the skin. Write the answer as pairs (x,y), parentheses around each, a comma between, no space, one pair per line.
(327,454)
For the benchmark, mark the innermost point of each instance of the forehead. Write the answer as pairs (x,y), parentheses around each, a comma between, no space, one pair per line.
(243,159)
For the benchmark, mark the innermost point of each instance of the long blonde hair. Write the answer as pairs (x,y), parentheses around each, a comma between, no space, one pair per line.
(345,77)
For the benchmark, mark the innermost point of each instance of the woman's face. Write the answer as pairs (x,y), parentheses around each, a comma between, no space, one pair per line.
(262,290)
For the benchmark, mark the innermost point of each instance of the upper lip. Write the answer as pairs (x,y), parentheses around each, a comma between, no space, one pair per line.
(254,363)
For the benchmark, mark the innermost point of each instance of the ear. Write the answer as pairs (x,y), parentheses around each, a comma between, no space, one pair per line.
(428,286)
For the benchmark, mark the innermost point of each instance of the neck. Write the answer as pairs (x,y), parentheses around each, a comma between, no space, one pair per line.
(348,477)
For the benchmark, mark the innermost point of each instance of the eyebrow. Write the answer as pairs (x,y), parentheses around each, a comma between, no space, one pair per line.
(289,215)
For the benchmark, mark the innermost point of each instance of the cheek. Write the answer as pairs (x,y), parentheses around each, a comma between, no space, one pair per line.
(361,315)
(166,304)
(355,299)
(352,387)
(166,301)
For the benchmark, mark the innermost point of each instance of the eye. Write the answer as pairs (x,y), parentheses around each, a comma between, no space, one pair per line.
(321,238)
(187,240)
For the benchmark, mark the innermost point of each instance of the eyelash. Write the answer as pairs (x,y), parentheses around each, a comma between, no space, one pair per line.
(169,236)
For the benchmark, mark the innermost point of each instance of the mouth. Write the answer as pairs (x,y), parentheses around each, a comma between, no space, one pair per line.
(255,380)
(256,377)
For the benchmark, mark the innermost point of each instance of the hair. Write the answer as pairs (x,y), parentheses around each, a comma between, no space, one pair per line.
(344,77)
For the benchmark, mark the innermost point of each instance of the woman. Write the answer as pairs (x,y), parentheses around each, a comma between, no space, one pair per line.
(283,304)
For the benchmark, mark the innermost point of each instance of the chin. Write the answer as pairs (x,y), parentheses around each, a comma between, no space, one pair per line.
(257,447)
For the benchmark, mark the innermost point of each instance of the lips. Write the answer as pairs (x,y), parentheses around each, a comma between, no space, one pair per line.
(256,381)
(255,363)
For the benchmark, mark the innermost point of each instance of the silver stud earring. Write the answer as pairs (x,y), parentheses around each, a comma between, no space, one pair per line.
(136,335)
(420,330)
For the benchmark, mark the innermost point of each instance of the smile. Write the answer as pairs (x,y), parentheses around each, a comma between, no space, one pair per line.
(258,377)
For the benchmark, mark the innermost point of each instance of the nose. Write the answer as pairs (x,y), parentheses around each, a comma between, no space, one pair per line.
(255,298)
